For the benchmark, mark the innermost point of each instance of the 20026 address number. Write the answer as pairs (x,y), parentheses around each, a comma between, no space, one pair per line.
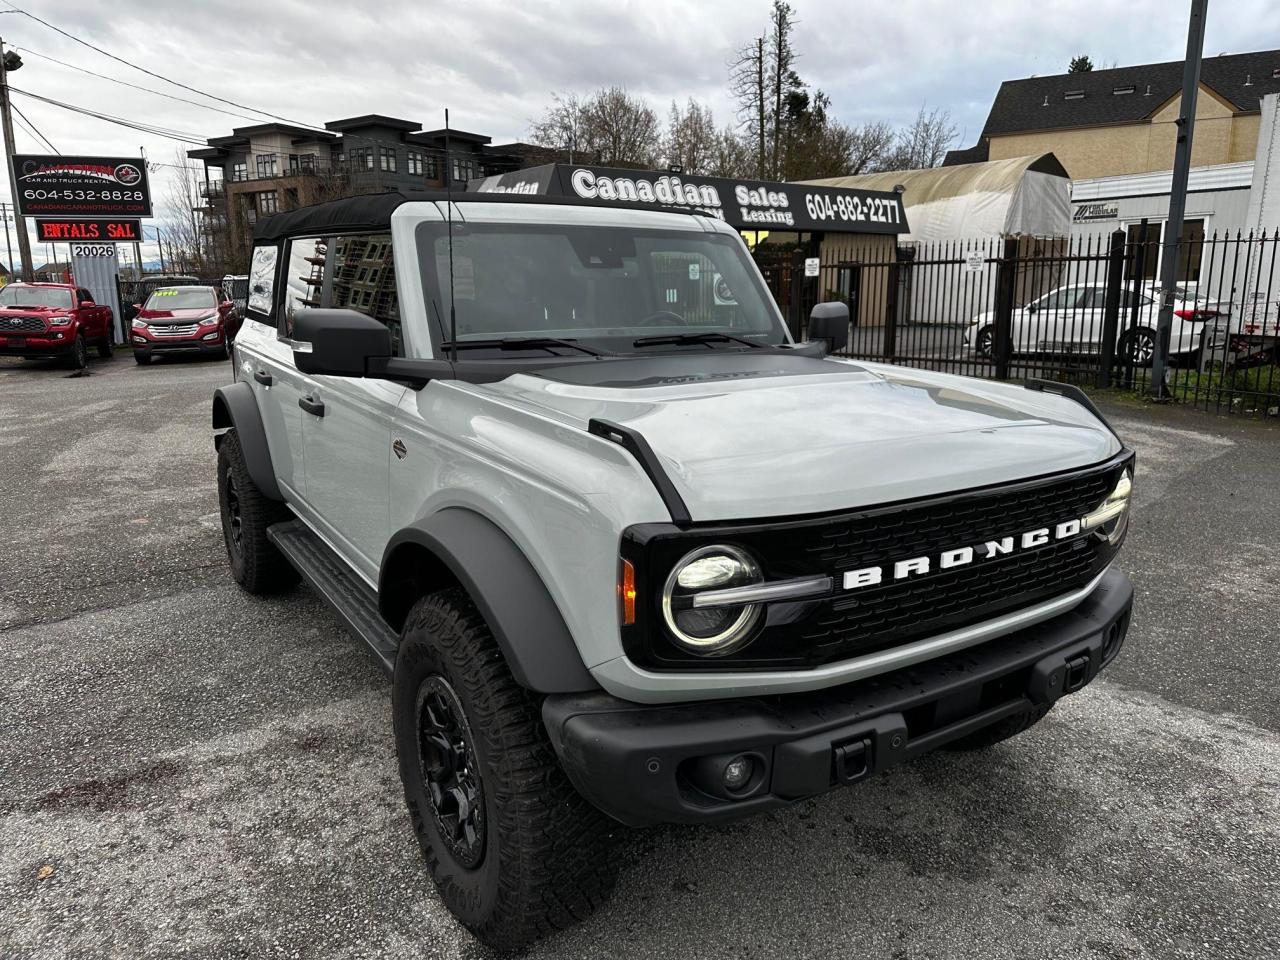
(869,210)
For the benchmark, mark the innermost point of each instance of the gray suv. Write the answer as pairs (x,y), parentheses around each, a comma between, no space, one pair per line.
(630,554)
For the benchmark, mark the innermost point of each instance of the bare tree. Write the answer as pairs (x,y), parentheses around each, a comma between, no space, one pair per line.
(622,129)
(563,127)
(922,144)
(732,155)
(691,137)
(181,231)
(747,86)
(782,80)
(868,145)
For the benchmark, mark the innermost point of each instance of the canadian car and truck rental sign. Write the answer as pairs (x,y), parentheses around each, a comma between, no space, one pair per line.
(81,187)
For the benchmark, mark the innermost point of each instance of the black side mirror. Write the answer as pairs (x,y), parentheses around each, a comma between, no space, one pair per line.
(1032,308)
(830,322)
(338,343)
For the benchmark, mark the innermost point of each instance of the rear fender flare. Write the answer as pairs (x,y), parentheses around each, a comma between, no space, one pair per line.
(236,407)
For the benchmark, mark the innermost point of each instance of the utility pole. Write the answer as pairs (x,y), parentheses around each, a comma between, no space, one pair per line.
(6,119)
(137,247)
(8,237)
(1178,198)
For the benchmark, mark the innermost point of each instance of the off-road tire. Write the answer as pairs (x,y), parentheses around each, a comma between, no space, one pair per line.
(1000,730)
(544,861)
(106,349)
(78,358)
(256,564)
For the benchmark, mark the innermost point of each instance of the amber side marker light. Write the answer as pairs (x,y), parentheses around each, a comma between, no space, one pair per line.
(627,593)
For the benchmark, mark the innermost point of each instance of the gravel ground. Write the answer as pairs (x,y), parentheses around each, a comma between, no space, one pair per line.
(189,771)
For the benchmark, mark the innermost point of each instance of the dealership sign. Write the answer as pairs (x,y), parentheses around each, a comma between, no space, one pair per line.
(56,186)
(113,231)
(744,204)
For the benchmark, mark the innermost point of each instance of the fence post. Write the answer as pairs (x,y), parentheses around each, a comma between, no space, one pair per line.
(1006,278)
(891,310)
(1111,307)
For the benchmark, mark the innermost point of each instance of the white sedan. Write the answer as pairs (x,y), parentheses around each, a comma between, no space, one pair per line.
(1070,320)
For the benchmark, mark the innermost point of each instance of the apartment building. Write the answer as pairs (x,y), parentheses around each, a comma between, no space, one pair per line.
(266,168)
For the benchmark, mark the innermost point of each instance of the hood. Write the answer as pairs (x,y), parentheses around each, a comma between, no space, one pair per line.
(34,311)
(745,436)
(186,315)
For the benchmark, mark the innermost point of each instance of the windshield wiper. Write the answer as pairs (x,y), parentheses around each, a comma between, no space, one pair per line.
(521,343)
(706,339)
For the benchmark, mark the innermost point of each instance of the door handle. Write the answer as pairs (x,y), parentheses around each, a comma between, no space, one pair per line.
(313,407)
(262,377)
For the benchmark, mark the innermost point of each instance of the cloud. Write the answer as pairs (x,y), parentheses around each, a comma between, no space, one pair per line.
(496,64)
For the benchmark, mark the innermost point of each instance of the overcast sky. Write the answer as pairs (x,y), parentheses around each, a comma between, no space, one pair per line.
(496,65)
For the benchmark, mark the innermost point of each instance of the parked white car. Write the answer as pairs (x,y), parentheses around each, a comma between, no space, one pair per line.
(1070,319)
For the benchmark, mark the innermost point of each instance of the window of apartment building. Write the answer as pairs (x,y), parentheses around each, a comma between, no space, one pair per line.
(387,159)
(463,168)
(302,163)
(414,164)
(267,165)
(431,168)
(267,203)
(240,171)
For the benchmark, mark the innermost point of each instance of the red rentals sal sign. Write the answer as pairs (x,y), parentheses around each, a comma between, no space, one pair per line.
(110,231)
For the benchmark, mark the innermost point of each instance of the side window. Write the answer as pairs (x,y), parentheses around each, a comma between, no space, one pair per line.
(364,279)
(1095,298)
(83,295)
(304,279)
(262,281)
(1063,298)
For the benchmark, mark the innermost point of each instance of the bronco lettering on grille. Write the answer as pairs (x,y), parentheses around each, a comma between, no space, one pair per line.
(961,556)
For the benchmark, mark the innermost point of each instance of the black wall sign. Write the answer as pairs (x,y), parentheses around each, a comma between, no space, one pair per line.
(745,204)
(110,231)
(81,186)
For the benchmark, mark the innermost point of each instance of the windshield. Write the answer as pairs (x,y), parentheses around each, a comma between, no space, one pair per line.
(608,286)
(181,298)
(18,295)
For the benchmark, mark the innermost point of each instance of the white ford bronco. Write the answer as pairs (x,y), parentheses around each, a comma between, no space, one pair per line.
(630,554)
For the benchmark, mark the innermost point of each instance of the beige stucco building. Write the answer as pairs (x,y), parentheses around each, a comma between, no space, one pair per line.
(1105,123)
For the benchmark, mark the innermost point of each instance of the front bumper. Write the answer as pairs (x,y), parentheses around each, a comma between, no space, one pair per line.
(207,347)
(38,344)
(655,764)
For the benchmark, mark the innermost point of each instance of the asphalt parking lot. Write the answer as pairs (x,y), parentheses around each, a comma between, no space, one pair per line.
(189,771)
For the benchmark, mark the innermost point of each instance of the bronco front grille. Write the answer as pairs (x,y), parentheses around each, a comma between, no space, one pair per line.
(21,325)
(850,623)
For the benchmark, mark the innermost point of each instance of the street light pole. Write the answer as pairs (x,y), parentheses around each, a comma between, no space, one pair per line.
(6,120)
(1178,198)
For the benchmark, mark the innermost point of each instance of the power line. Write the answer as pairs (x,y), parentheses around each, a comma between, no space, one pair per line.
(32,128)
(179,135)
(134,86)
(127,63)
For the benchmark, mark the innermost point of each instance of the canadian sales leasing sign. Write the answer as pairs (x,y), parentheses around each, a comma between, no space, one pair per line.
(55,186)
(744,204)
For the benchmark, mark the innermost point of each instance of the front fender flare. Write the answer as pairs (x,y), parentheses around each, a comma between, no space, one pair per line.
(504,586)
(235,406)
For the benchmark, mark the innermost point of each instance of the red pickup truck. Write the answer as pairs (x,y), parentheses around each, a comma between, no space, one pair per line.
(53,320)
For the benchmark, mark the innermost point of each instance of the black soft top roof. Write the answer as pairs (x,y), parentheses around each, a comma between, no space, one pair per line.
(373,211)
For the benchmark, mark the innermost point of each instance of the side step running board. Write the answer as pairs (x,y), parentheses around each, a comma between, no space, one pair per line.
(355,604)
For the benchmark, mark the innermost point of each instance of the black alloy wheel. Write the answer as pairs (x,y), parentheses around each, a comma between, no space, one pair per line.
(450,770)
(235,518)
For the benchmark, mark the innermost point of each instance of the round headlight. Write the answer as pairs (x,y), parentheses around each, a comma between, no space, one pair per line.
(1111,517)
(710,630)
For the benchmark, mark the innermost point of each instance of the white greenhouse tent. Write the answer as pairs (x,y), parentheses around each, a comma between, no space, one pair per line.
(966,209)
(1022,196)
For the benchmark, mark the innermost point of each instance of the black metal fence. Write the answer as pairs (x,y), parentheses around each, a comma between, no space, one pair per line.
(1083,310)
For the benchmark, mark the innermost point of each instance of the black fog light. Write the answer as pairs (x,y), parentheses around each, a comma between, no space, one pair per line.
(727,776)
(737,773)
